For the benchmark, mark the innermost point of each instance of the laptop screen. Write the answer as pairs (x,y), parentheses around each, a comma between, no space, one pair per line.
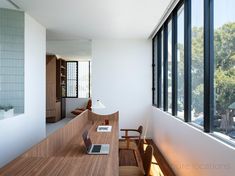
(86,140)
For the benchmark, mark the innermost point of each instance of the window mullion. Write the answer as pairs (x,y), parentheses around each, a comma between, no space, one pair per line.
(165,67)
(208,65)
(159,70)
(174,63)
(187,61)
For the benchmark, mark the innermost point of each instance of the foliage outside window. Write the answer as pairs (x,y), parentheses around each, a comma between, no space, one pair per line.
(224,76)
(197,68)
(180,63)
(169,73)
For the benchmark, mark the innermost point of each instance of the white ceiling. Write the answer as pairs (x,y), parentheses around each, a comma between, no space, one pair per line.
(95,19)
(70,48)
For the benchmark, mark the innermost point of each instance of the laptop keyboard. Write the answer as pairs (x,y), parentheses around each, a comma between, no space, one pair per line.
(96,148)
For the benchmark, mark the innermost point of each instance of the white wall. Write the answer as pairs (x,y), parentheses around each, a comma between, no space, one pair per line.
(189,150)
(121,72)
(19,133)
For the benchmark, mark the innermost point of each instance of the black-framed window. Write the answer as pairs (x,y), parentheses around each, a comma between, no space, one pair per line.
(78,79)
(199,73)
(72,79)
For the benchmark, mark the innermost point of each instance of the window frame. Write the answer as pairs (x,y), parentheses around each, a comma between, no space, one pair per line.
(165,67)
(72,79)
(208,65)
(208,71)
(187,62)
(159,69)
(154,66)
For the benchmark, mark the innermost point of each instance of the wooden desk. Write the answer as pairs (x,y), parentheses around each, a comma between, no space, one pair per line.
(71,158)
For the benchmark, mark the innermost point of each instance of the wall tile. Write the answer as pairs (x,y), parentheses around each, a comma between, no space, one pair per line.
(12,59)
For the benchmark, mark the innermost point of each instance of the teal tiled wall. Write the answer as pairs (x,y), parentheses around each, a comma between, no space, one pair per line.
(12,59)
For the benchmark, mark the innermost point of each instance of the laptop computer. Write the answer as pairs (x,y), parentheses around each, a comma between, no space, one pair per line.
(94,149)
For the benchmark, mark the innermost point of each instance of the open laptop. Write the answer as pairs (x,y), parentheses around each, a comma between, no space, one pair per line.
(94,149)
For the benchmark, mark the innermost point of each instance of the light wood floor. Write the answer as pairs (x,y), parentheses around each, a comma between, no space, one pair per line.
(127,158)
(159,165)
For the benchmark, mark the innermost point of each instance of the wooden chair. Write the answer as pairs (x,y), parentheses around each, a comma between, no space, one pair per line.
(129,142)
(141,149)
(136,171)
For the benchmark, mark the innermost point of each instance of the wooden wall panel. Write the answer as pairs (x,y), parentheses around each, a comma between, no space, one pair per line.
(63,152)
(60,138)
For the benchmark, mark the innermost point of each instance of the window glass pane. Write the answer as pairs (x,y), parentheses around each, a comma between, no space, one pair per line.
(197,70)
(180,62)
(224,80)
(169,67)
(155,69)
(83,79)
(72,79)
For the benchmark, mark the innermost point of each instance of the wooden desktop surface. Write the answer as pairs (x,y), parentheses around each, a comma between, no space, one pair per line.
(72,158)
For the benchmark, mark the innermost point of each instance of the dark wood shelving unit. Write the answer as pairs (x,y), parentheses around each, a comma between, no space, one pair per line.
(61,84)
(56,79)
(53,103)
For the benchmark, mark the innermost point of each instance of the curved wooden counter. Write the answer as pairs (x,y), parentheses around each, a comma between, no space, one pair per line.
(63,152)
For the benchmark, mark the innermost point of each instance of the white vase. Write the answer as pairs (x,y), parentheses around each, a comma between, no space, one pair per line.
(6,114)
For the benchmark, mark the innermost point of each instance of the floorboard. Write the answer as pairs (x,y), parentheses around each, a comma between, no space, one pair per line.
(127,158)
(159,166)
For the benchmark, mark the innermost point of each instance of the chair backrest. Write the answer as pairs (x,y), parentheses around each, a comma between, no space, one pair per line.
(140,130)
(89,104)
(141,149)
(147,160)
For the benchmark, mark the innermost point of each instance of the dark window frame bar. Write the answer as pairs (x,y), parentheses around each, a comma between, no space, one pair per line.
(174,63)
(159,70)
(165,67)
(187,61)
(208,65)
(153,71)
(155,76)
